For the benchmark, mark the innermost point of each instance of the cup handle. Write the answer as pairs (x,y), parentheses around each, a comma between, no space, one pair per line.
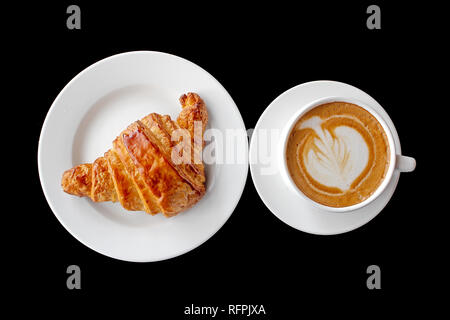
(405,164)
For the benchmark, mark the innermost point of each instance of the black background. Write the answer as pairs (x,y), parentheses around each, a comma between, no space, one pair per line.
(257,52)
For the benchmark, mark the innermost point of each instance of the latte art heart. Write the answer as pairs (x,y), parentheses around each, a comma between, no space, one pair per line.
(337,154)
(334,159)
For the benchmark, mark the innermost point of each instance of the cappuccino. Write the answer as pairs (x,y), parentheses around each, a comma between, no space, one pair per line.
(338,154)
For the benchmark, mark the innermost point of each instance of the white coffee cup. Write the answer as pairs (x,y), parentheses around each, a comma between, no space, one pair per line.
(396,161)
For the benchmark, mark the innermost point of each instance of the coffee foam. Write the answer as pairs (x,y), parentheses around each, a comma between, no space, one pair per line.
(334,159)
(338,154)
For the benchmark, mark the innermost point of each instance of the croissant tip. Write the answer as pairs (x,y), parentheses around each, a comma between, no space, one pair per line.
(66,178)
(189,99)
(76,181)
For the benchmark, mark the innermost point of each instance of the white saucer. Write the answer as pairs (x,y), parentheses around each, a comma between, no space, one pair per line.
(283,203)
(93,109)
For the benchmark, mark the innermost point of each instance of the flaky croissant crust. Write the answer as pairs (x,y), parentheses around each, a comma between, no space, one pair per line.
(139,171)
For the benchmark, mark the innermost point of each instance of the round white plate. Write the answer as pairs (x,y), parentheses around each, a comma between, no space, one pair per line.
(283,203)
(93,109)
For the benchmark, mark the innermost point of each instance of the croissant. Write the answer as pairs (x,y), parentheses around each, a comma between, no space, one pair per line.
(142,170)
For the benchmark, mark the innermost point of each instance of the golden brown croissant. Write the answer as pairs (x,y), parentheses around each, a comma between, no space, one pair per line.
(145,170)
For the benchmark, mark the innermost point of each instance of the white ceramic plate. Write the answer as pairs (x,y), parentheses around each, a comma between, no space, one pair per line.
(92,110)
(280,200)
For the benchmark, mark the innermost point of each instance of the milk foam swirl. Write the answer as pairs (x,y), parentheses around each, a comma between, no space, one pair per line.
(336,156)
